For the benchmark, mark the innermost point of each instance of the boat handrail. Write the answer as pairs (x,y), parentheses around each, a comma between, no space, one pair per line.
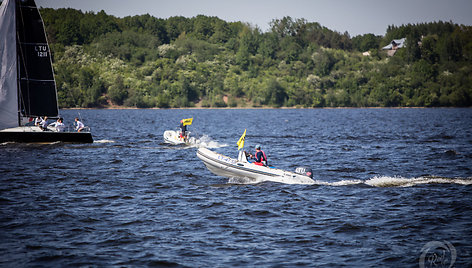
(70,129)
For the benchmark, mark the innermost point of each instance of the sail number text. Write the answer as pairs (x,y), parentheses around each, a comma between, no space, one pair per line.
(41,50)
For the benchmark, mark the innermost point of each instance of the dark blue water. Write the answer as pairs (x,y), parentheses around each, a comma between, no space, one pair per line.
(393,188)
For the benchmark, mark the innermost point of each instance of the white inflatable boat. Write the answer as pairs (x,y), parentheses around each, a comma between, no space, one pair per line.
(228,167)
(173,137)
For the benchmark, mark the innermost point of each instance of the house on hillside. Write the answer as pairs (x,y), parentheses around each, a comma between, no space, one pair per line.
(394,45)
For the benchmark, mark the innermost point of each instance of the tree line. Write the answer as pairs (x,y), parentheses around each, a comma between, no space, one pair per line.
(143,61)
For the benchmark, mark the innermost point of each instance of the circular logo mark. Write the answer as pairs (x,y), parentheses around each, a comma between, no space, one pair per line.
(437,254)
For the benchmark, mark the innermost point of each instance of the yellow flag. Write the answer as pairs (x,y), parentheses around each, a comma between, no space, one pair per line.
(187,122)
(240,142)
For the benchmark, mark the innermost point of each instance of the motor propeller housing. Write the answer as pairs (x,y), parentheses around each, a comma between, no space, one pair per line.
(306,171)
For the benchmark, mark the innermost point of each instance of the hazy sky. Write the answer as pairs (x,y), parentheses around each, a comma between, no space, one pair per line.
(355,17)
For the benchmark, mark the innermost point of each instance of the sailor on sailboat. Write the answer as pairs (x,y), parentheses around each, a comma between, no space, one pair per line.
(27,85)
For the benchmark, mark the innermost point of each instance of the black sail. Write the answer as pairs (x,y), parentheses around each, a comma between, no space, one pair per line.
(37,88)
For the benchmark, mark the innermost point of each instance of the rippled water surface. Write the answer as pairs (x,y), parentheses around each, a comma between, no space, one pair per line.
(393,188)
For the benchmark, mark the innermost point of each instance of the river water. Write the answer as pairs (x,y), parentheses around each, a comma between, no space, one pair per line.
(393,187)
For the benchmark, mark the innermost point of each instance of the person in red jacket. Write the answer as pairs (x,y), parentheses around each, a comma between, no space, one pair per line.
(260,157)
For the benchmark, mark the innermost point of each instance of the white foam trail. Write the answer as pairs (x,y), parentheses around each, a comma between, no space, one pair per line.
(386,181)
(338,183)
(5,143)
(104,141)
(238,180)
(205,142)
(378,181)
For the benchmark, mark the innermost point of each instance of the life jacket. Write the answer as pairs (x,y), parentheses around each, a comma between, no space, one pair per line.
(263,159)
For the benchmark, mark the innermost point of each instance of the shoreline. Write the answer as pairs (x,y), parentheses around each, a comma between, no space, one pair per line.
(256,108)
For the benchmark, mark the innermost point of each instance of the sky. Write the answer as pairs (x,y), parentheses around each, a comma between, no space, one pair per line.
(357,17)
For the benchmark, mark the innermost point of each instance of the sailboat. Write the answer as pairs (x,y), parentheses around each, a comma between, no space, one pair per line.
(27,85)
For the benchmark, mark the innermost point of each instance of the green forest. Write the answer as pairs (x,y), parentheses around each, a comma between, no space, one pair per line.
(142,61)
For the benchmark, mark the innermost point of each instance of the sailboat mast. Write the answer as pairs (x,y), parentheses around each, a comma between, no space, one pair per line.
(18,67)
(18,79)
(18,92)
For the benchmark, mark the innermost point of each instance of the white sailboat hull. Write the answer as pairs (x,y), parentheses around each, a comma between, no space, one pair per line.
(228,167)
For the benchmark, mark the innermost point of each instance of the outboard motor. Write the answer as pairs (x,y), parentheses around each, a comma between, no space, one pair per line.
(305,171)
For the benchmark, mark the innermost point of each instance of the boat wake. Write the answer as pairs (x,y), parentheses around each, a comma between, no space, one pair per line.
(238,180)
(205,142)
(104,141)
(378,181)
(386,181)
(172,137)
(6,143)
